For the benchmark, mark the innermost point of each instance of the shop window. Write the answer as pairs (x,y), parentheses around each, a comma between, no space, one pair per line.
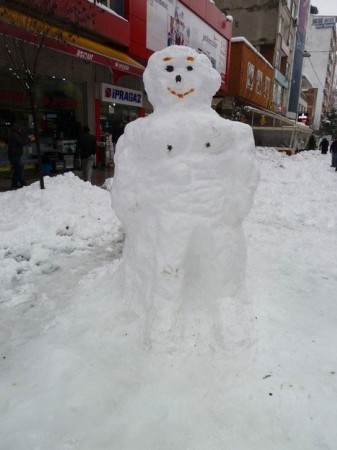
(60,107)
(262,120)
(114,117)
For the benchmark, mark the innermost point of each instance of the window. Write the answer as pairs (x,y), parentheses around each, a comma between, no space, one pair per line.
(324,22)
(266,87)
(277,94)
(259,79)
(277,59)
(317,20)
(115,5)
(293,10)
(287,70)
(329,20)
(290,40)
(250,76)
(280,25)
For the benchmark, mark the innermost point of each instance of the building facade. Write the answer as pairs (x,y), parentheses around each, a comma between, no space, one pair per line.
(320,67)
(271,29)
(93,73)
(250,81)
(273,35)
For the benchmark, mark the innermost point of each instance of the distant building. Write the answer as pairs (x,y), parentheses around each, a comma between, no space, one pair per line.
(307,100)
(261,77)
(333,102)
(249,82)
(270,26)
(320,67)
(296,101)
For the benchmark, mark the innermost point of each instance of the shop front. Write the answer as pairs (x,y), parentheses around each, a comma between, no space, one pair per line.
(66,99)
(118,106)
(60,106)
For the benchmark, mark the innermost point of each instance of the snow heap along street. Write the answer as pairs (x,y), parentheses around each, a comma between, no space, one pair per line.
(74,376)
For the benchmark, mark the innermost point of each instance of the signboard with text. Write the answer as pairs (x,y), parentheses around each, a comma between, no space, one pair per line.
(121,95)
(303,118)
(169,22)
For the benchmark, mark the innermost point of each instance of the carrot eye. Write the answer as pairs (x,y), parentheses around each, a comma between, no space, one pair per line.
(170,68)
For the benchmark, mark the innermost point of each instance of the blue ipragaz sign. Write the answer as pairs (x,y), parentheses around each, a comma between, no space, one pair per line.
(121,95)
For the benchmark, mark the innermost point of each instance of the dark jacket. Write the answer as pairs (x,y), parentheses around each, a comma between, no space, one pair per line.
(17,140)
(324,145)
(333,146)
(86,145)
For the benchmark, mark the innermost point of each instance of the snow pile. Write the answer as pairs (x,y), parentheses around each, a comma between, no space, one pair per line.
(36,225)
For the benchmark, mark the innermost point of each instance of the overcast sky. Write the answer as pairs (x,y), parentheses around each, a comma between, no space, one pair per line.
(325,7)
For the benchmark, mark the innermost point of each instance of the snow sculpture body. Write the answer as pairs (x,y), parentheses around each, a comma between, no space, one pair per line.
(184,181)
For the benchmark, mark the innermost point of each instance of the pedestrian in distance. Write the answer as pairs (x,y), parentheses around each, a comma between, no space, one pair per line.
(333,150)
(87,149)
(18,138)
(324,146)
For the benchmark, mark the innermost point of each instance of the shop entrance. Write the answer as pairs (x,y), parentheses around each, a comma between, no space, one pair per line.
(115,117)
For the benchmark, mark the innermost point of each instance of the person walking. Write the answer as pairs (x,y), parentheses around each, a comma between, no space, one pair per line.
(324,146)
(17,139)
(87,149)
(333,150)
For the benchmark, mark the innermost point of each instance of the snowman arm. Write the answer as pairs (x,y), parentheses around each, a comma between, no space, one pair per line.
(247,174)
(123,192)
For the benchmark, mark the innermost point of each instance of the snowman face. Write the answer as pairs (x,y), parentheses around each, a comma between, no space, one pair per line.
(180,82)
(178,75)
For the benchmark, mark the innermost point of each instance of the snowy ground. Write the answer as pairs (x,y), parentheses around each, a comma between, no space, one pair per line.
(75,376)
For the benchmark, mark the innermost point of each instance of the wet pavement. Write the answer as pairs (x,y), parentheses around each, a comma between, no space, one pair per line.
(99,175)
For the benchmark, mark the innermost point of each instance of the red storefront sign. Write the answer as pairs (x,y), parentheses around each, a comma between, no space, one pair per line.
(81,48)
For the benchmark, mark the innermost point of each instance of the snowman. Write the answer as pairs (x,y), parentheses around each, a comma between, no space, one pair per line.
(184,181)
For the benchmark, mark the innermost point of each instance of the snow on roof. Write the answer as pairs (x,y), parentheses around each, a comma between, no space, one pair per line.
(308,81)
(243,39)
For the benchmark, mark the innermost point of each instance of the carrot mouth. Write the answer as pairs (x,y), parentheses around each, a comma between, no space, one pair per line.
(177,94)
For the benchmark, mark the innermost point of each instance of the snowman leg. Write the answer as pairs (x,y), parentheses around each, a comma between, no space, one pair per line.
(165,300)
(214,276)
(137,267)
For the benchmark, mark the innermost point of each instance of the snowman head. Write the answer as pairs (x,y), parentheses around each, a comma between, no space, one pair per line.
(179,76)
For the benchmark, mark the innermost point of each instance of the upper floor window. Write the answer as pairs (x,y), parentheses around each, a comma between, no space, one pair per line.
(293,10)
(290,40)
(277,59)
(115,5)
(280,25)
(287,3)
(287,74)
(324,22)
